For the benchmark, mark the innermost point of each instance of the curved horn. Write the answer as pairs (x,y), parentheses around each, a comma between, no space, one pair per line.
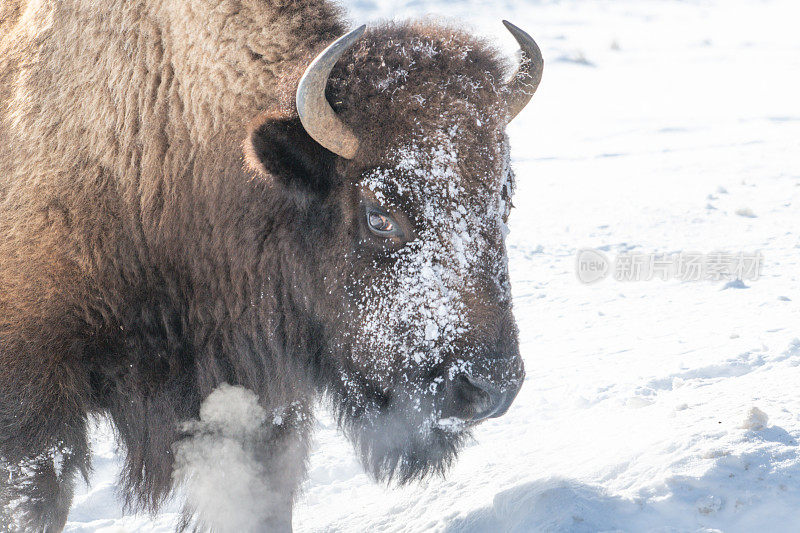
(316,114)
(524,83)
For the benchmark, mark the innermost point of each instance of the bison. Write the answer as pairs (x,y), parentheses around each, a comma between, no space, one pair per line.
(212,219)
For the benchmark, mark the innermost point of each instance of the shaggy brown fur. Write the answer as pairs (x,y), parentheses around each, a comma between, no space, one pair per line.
(146,257)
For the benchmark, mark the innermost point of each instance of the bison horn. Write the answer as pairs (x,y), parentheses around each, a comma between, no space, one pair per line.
(524,83)
(316,114)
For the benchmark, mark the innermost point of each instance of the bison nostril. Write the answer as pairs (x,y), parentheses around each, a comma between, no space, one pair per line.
(477,399)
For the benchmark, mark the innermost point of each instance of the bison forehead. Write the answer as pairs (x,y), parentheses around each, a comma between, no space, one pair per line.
(407,77)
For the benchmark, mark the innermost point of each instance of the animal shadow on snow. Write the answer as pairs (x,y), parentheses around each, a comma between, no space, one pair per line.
(554,504)
(736,494)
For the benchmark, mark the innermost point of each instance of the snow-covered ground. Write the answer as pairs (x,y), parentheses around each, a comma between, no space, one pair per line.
(660,126)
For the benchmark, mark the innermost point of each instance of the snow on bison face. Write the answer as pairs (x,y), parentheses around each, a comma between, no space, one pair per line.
(433,348)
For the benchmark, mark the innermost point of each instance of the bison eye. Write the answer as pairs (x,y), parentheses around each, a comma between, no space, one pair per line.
(381,223)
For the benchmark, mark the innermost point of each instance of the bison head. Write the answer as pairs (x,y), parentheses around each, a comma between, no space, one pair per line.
(398,154)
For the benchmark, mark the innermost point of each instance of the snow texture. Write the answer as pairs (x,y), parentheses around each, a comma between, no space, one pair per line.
(423,293)
(659,127)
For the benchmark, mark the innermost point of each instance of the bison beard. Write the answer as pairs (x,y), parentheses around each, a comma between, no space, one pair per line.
(205,305)
(401,443)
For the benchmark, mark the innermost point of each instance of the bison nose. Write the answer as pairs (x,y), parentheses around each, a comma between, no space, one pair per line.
(477,399)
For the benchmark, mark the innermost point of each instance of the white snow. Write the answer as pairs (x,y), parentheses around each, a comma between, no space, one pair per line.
(423,294)
(648,406)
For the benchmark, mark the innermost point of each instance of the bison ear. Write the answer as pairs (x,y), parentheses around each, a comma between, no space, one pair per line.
(280,149)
